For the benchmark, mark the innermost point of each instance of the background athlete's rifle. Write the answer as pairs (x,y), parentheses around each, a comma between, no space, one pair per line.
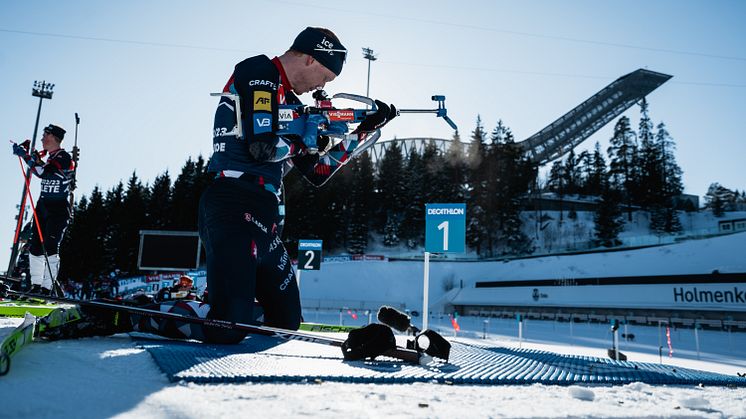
(76,155)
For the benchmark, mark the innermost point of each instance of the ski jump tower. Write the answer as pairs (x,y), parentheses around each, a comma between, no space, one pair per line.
(572,128)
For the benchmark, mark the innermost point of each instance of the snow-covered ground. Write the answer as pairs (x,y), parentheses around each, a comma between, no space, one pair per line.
(111,377)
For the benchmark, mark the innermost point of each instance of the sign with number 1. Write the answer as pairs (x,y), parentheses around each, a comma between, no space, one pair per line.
(309,255)
(445,228)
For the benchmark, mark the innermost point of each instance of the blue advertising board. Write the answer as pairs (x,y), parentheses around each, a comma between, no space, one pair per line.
(445,228)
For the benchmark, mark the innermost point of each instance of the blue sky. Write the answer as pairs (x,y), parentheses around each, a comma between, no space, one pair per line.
(139,73)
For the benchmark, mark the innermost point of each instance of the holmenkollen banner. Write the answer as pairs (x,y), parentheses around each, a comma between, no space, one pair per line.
(728,294)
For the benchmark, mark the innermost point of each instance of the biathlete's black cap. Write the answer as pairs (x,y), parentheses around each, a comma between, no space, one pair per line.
(55,130)
(326,49)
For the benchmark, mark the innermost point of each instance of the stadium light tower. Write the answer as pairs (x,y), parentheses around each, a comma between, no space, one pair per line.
(42,90)
(368,55)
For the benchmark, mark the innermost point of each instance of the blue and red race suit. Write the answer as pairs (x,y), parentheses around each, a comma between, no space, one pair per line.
(262,86)
(239,212)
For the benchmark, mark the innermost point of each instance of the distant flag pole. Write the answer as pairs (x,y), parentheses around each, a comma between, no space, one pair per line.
(454,321)
(668,340)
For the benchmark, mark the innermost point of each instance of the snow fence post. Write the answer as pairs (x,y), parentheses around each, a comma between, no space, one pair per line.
(520,328)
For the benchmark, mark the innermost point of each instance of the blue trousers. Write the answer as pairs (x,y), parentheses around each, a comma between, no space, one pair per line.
(246,260)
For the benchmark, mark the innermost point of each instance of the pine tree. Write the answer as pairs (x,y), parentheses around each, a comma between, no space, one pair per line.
(512,178)
(84,251)
(391,197)
(718,209)
(361,199)
(331,225)
(740,202)
(556,179)
(673,184)
(597,174)
(159,211)
(608,218)
(664,219)
(476,231)
(434,175)
(413,221)
(114,222)
(134,209)
(571,174)
(302,214)
(391,232)
(455,171)
(623,170)
(585,171)
(185,196)
(476,150)
(71,266)
(556,184)
(495,192)
(648,192)
(722,195)
(667,186)
(719,199)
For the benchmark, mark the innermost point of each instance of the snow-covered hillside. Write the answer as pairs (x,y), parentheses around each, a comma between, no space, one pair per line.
(560,232)
(368,284)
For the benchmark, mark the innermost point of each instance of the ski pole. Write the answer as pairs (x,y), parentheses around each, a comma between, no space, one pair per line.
(19,224)
(55,284)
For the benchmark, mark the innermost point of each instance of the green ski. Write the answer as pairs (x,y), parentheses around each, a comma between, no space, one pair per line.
(12,343)
(19,308)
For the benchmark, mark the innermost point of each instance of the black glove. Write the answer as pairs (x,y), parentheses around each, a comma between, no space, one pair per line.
(323,143)
(305,163)
(18,150)
(35,158)
(381,117)
(261,151)
(21,149)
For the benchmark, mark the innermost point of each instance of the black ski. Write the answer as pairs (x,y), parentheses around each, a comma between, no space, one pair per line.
(403,354)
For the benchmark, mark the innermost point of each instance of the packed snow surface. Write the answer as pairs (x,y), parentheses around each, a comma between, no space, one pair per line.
(112,377)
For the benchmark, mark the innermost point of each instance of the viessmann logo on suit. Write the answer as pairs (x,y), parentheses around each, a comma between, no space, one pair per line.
(695,295)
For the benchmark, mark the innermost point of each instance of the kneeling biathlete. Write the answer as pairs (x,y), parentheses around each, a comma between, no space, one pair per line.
(240,212)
